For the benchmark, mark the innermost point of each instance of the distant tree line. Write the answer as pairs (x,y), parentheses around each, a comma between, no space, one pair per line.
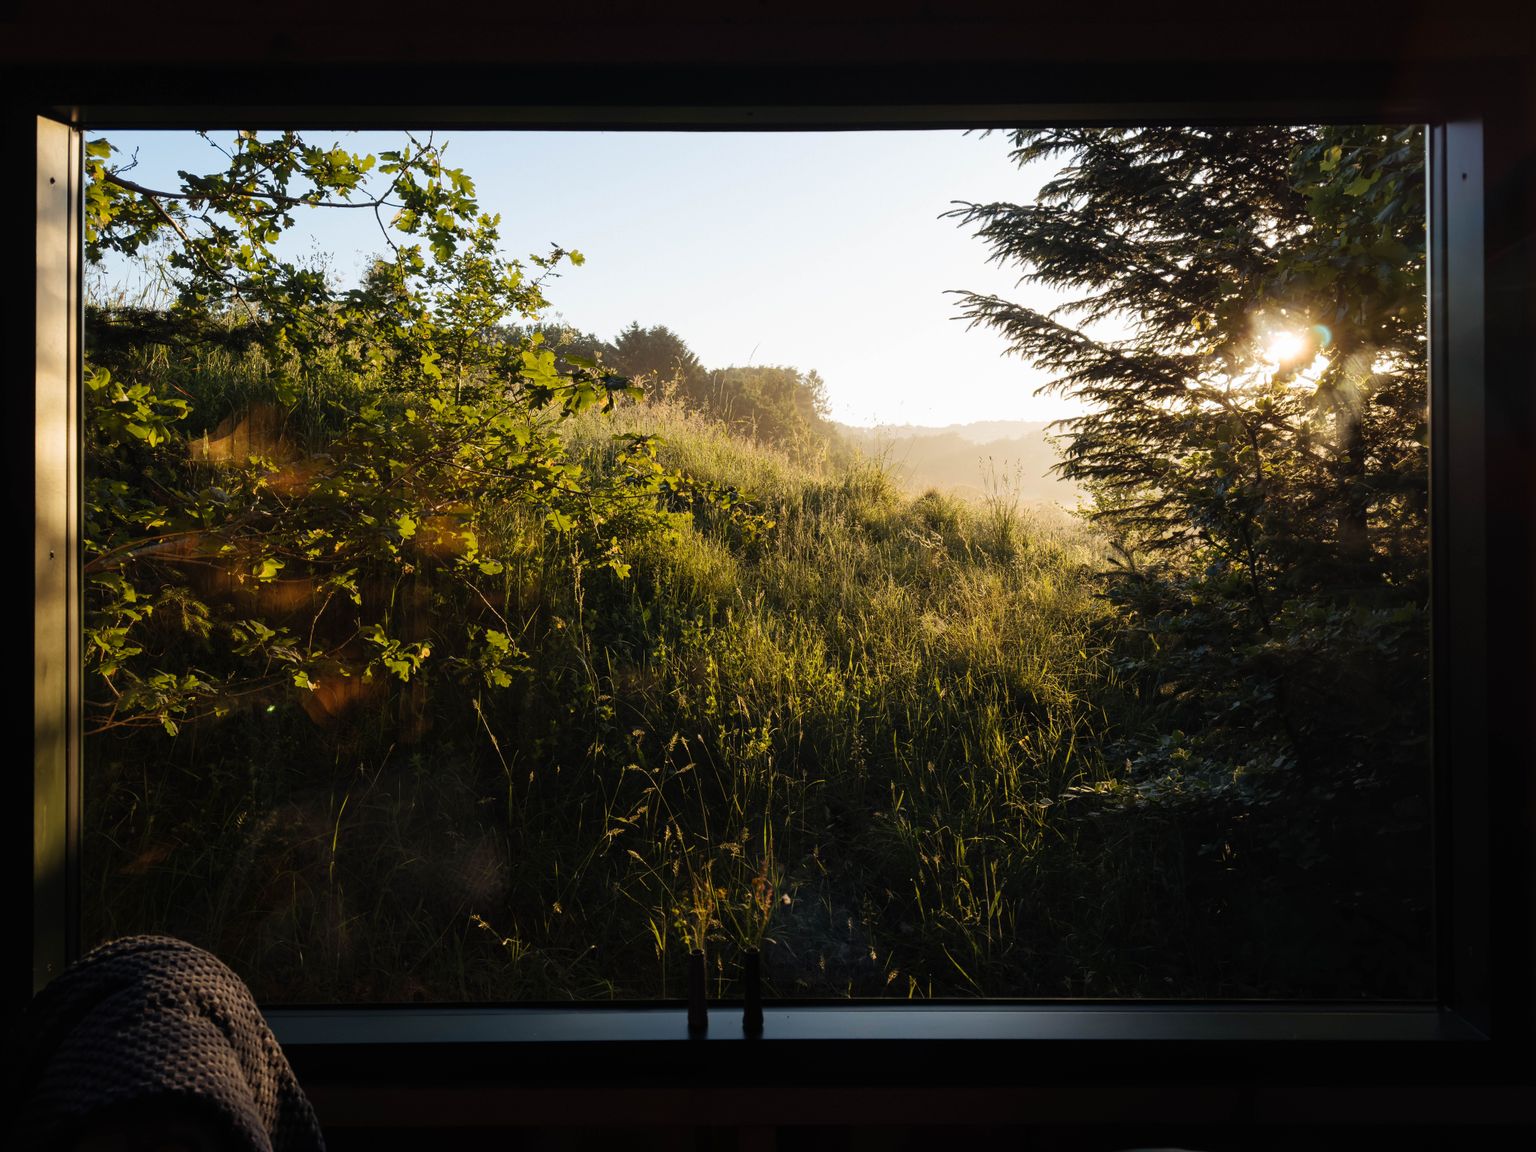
(772,404)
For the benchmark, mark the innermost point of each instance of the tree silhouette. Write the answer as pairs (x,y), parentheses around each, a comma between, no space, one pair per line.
(1245,317)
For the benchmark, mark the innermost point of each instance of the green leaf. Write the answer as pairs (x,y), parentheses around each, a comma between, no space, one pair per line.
(540,367)
(1362,185)
(288,390)
(256,630)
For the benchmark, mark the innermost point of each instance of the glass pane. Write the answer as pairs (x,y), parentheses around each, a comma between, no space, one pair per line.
(948,565)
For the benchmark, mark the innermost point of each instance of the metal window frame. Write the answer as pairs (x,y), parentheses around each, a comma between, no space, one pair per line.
(1466,1035)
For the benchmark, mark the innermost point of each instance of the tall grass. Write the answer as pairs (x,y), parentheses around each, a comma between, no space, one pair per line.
(845,742)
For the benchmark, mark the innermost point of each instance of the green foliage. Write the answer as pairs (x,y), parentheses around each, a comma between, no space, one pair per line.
(1245,320)
(781,406)
(659,355)
(1240,483)
(835,739)
(343,544)
(777,405)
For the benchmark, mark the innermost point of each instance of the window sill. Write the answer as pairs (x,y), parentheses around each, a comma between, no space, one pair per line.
(874,1022)
(414,1067)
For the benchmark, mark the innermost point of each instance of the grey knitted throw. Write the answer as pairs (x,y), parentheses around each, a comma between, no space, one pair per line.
(151,1021)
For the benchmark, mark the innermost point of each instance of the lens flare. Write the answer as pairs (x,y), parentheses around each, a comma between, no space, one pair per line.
(1287,347)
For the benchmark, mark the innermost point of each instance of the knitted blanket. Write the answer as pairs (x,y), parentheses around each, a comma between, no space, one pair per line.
(149,1022)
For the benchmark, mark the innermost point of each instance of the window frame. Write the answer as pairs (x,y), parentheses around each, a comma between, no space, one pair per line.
(1481,1025)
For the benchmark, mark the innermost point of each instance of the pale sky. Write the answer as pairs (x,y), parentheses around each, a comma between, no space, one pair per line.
(820,251)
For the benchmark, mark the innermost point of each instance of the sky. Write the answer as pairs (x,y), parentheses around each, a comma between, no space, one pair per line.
(822,251)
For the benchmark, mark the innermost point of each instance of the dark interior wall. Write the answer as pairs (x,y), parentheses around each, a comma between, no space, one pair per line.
(671,30)
(1414,59)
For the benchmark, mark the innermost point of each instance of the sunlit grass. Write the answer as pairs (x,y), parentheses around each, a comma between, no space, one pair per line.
(870,711)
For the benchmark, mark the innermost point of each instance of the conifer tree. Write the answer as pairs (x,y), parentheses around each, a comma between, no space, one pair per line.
(1245,318)
(662,357)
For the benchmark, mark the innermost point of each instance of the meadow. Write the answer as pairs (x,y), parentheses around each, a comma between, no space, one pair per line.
(876,737)
(845,740)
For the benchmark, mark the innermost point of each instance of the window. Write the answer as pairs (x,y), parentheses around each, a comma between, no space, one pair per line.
(387,703)
(1460,656)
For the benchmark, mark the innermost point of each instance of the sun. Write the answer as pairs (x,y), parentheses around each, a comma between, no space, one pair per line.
(1287,347)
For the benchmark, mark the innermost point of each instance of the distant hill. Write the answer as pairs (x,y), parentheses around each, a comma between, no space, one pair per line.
(970,460)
